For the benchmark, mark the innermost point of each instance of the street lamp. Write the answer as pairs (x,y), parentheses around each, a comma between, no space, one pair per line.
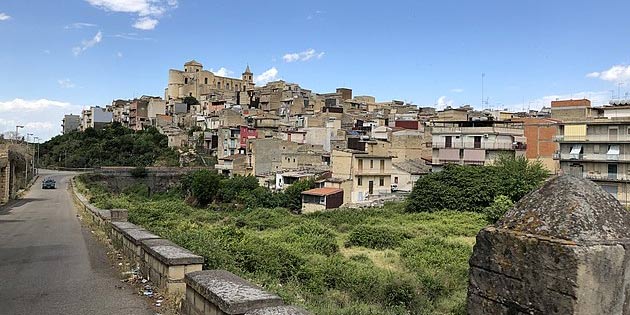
(35,165)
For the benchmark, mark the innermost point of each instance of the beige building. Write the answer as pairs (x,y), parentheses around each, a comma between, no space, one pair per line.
(598,149)
(369,171)
(475,142)
(195,81)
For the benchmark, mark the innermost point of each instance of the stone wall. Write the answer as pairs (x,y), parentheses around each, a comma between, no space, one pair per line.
(179,271)
(563,249)
(157,179)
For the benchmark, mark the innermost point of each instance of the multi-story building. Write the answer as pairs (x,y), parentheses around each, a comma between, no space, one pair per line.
(540,133)
(70,123)
(95,117)
(475,142)
(597,149)
(367,172)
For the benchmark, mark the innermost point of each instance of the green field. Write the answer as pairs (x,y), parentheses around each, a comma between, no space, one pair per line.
(370,261)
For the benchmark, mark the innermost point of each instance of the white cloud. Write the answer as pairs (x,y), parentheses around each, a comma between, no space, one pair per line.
(222,72)
(119,54)
(146,23)
(79,25)
(303,56)
(30,105)
(147,11)
(443,101)
(66,83)
(86,44)
(616,73)
(457,90)
(46,51)
(4,16)
(267,76)
(131,36)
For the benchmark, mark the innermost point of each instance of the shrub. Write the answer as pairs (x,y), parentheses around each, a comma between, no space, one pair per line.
(313,238)
(473,188)
(138,172)
(201,185)
(498,208)
(376,237)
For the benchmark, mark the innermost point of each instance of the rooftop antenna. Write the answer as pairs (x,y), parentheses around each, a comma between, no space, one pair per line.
(483,75)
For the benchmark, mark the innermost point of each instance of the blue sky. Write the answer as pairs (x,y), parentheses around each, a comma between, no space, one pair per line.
(59,56)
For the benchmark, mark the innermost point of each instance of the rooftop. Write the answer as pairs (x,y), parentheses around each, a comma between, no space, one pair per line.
(325,191)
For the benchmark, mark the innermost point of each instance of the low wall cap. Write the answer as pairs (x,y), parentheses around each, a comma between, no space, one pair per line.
(124,225)
(169,253)
(279,310)
(570,208)
(229,292)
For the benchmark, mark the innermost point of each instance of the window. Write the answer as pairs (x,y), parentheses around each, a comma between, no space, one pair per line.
(448,141)
(371,163)
(227,86)
(477,142)
(197,70)
(218,85)
(185,80)
(190,94)
(395,179)
(596,148)
(322,200)
(382,165)
(359,181)
(360,164)
(205,81)
(381,181)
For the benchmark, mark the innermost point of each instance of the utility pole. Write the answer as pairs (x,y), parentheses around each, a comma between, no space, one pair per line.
(35,165)
(482,76)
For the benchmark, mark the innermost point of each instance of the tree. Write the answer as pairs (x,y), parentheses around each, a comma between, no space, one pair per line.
(473,188)
(292,196)
(190,100)
(202,186)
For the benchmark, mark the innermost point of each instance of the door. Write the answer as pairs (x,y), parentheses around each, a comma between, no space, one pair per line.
(371,187)
(612,171)
(477,143)
(576,170)
(448,142)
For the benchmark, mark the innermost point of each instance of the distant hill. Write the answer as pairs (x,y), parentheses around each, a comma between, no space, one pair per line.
(113,146)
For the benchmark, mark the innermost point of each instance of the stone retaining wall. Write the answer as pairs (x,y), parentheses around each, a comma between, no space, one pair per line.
(179,271)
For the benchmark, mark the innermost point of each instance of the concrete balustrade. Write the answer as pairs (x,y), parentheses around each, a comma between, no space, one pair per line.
(219,292)
(165,264)
(179,271)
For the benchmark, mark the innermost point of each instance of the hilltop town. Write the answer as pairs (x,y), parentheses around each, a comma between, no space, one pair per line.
(361,151)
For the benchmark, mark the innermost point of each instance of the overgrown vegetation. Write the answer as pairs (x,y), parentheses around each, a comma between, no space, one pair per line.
(114,145)
(370,261)
(205,186)
(474,188)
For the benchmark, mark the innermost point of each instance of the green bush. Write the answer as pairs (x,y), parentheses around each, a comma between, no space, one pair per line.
(473,188)
(201,185)
(376,237)
(498,208)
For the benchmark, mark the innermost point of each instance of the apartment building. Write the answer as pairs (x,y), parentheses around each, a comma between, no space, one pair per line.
(95,117)
(368,171)
(599,150)
(70,123)
(475,142)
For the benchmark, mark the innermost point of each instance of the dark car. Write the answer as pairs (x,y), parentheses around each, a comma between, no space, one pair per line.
(48,183)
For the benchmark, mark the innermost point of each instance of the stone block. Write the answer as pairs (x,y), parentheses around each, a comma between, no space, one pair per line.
(119,215)
(170,253)
(279,310)
(229,293)
(563,249)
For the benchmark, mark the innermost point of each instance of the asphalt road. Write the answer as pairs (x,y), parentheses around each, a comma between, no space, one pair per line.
(50,264)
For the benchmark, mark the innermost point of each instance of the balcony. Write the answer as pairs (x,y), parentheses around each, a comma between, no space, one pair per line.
(614,177)
(514,131)
(602,157)
(593,138)
(482,145)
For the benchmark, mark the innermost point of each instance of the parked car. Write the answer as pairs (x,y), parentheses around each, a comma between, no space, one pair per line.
(48,183)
